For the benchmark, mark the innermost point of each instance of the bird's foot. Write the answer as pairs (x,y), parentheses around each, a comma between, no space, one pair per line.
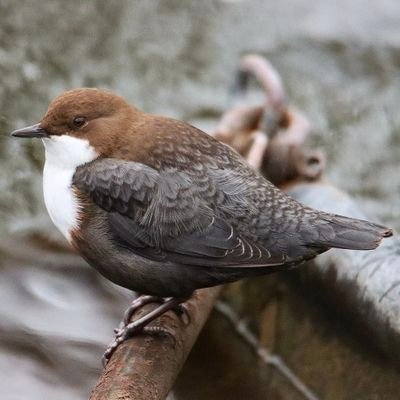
(180,309)
(128,329)
(135,305)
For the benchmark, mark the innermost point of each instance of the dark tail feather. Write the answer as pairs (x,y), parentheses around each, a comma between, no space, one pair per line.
(348,233)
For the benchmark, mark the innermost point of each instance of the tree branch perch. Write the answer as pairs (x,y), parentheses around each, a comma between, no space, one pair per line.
(145,367)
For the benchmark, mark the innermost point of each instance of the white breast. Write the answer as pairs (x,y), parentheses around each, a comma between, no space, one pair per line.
(63,155)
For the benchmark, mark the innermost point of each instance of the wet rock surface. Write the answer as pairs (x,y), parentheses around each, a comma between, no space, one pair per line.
(340,64)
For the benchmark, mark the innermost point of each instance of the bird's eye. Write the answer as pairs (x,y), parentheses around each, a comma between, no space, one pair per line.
(79,122)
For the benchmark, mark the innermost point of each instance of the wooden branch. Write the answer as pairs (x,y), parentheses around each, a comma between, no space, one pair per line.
(254,65)
(270,136)
(145,367)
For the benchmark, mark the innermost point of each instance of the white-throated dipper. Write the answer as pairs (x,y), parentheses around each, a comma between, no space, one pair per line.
(160,207)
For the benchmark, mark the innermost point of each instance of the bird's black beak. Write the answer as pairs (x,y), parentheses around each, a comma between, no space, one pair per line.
(34,131)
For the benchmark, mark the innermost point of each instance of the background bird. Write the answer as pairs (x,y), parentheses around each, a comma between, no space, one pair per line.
(160,207)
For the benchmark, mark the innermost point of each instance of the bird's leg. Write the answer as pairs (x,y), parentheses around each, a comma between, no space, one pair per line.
(140,325)
(136,304)
(142,300)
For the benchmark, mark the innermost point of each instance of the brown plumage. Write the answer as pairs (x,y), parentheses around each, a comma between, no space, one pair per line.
(172,194)
(165,209)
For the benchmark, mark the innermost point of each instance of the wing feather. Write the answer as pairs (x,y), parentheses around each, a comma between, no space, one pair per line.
(168,215)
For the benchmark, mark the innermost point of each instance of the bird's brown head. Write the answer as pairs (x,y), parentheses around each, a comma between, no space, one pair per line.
(96,116)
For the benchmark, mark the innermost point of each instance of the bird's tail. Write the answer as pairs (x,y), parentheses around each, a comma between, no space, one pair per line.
(347,233)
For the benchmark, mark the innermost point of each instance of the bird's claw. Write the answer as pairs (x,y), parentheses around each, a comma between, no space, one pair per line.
(130,330)
(135,305)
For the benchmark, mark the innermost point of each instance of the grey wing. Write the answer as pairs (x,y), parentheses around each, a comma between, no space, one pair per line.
(287,227)
(167,215)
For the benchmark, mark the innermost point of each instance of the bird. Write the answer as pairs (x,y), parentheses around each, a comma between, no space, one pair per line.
(160,207)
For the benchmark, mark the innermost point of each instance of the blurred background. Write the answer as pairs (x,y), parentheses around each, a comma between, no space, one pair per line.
(340,63)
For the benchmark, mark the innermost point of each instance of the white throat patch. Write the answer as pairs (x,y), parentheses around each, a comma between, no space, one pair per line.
(63,155)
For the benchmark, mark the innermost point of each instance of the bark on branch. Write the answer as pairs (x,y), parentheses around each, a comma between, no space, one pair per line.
(146,367)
